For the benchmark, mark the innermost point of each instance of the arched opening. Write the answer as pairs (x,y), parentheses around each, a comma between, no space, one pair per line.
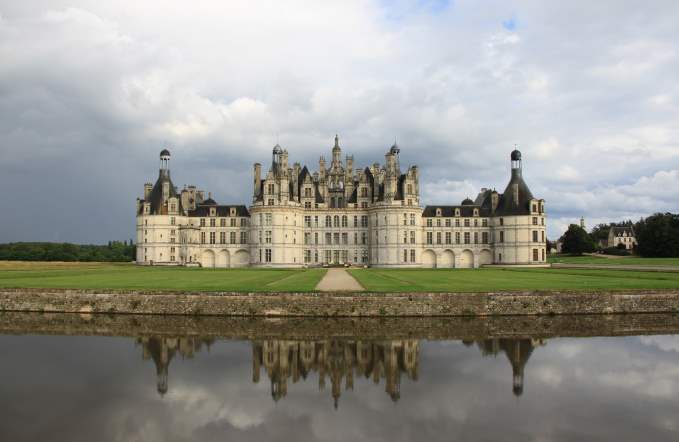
(207,259)
(447,260)
(466,260)
(428,259)
(240,259)
(223,259)
(485,257)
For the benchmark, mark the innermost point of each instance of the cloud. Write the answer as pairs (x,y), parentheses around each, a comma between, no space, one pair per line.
(91,91)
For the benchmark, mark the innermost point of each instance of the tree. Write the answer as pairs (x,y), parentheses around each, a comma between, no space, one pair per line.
(658,235)
(576,241)
(600,233)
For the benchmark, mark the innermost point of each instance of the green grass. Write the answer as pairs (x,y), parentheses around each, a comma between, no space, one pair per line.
(481,280)
(129,276)
(622,260)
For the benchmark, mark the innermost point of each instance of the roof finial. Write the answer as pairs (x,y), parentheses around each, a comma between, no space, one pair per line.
(336,140)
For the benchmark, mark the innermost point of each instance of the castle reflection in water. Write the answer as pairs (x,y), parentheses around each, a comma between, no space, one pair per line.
(337,362)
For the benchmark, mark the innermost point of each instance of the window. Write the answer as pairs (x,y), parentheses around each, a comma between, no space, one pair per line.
(448,237)
(412,237)
(405,255)
(476,237)
(307,238)
(232,222)
(429,222)
(355,221)
(447,222)
(364,205)
(243,237)
(364,221)
(543,254)
(328,238)
(364,192)
(267,237)
(484,222)
(270,202)
(270,188)
(405,237)
(457,237)
(307,256)
(212,237)
(438,223)
(466,238)
(307,192)
(438,237)
(307,204)
(202,237)
(457,222)
(535,209)
(535,236)
(355,238)
(502,221)
(267,255)
(484,237)
(535,254)
(202,222)
(430,236)
(267,219)
(412,219)
(172,220)
(307,221)
(336,237)
(476,223)
(412,255)
(222,237)
(222,222)
(243,222)
(364,238)
(405,219)
(315,221)
(466,222)
(345,238)
(212,222)
(345,222)
(336,220)
(502,235)
(328,221)
(535,220)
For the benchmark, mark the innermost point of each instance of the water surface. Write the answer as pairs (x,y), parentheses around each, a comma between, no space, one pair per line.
(189,387)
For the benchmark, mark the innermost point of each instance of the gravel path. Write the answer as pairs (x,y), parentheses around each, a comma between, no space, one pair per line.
(338,280)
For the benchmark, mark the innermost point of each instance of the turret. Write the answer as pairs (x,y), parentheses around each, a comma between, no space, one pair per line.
(336,153)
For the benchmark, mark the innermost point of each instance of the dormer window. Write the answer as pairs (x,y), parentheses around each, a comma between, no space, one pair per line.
(232,211)
(212,211)
(476,212)
(457,212)
(438,212)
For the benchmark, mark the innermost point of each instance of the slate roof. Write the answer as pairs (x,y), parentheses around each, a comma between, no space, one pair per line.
(156,195)
(221,211)
(506,205)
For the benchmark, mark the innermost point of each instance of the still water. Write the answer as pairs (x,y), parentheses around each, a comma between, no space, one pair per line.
(302,383)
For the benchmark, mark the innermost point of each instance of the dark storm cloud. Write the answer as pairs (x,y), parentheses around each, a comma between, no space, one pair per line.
(90,92)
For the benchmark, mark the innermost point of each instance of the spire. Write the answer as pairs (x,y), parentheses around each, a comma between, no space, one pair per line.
(336,142)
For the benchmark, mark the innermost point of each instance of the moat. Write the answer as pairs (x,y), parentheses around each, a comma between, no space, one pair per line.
(125,377)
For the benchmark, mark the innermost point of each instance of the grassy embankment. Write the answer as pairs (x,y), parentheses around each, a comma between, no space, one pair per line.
(614,260)
(129,276)
(493,279)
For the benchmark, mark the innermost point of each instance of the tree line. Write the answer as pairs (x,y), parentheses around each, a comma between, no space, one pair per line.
(656,235)
(114,251)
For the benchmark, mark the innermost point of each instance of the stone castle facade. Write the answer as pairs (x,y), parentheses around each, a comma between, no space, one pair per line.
(339,215)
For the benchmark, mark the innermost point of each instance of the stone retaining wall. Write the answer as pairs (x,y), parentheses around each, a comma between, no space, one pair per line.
(340,304)
(298,328)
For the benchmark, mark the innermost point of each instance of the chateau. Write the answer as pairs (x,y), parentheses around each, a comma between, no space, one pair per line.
(338,215)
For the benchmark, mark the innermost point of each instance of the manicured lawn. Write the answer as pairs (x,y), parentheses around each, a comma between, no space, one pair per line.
(129,276)
(622,260)
(481,280)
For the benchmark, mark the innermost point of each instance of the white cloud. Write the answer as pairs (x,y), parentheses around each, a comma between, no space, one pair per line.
(220,82)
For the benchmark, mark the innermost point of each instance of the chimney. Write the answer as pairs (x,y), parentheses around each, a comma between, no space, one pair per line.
(494,200)
(147,190)
(257,179)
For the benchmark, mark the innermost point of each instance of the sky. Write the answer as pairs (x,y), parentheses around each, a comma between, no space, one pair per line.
(91,91)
